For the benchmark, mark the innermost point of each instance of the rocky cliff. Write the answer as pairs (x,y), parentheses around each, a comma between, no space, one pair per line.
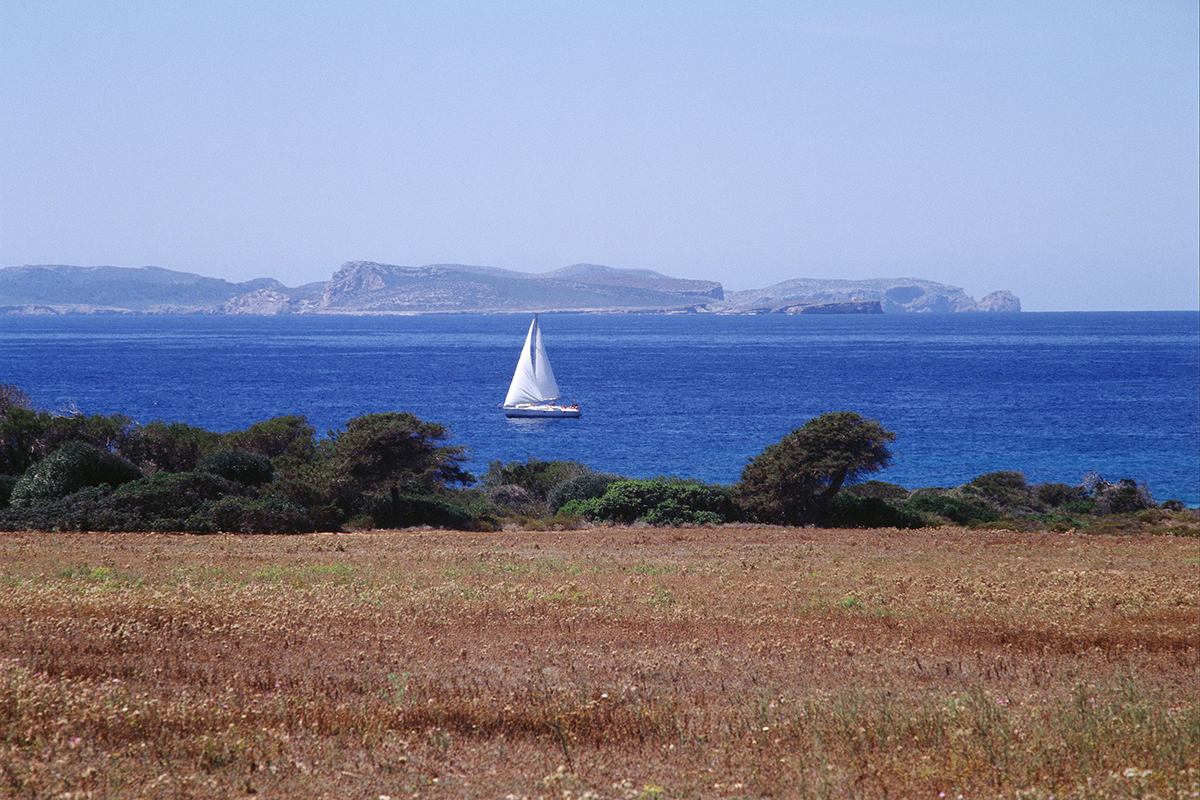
(895,295)
(366,287)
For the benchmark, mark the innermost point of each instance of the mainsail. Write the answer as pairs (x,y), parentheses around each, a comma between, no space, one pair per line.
(533,382)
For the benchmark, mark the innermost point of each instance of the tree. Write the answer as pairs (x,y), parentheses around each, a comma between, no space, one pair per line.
(288,440)
(169,446)
(390,453)
(72,467)
(793,480)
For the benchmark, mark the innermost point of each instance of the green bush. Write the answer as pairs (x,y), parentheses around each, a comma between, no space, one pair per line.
(659,502)
(166,501)
(1123,497)
(583,487)
(792,481)
(589,508)
(951,508)
(672,512)
(1004,492)
(880,489)
(399,510)
(271,514)
(851,511)
(169,446)
(239,466)
(68,469)
(7,482)
(1056,495)
(289,441)
(538,478)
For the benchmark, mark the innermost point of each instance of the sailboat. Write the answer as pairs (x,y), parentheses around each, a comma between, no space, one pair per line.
(533,391)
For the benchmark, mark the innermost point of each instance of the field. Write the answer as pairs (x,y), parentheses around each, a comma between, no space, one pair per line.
(610,663)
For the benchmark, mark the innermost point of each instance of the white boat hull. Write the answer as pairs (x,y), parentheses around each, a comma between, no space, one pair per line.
(540,411)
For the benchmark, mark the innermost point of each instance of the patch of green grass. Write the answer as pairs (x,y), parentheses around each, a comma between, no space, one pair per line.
(652,569)
(101,576)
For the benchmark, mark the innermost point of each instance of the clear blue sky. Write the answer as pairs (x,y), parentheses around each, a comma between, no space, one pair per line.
(1049,148)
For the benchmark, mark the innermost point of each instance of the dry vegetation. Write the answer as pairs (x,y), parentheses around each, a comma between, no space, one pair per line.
(613,663)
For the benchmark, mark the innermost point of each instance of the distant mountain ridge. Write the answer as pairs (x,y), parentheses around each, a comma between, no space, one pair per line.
(367,287)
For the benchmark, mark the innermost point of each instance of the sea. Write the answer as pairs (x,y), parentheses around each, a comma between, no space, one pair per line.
(1055,396)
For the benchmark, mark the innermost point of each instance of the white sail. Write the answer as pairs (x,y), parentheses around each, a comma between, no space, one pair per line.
(533,381)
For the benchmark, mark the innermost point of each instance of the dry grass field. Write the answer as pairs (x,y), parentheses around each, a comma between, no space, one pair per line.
(610,663)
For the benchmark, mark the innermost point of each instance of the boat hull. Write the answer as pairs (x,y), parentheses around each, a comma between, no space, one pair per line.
(540,411)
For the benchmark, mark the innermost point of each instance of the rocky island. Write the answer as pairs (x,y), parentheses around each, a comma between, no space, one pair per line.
(366,287)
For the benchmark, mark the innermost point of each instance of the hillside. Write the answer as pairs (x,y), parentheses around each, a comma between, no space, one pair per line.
(366,287)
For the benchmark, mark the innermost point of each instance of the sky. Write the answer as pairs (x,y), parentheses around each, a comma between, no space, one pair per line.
(1048,148)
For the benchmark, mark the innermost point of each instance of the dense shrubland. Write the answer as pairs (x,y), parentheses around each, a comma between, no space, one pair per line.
(97,472)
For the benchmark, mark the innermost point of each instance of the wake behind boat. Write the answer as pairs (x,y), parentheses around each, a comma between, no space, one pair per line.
(533,391)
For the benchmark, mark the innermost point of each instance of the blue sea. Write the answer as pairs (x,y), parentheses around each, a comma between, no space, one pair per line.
(1053,395)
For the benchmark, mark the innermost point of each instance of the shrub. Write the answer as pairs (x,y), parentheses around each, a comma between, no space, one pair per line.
(378,453)
(583,487)
(239,466)
(271,514)
(399,510)
(1055,495)
(792,480)
(851,511)
(288,440)
(538,478)
(880,489)
(951,508)
(632,500)
(169,447)
(589,508)
(166,501)
(7,482)
(68,469)
(1124,497)
(1004,492)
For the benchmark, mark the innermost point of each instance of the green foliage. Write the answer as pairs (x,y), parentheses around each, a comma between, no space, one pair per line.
(72,467)
(169,447)
(1004,492)
(1123,497)
(271,514)
(588,508)
(167,500)
(239,466)
(28,436)
(793,480)
(538,478)
(951,508)
(851,511)
(880,489)
(23,436)
(7,482)
(377,452)
(1056,495)
(584,487)
(658,502)
(399,510)
(289,441)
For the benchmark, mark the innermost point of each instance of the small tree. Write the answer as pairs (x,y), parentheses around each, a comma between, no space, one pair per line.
(793,480)
(169,446)
(390,454)
(68,469)
(288,440)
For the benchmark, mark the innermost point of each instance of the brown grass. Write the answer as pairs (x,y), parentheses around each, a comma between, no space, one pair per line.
(612,663)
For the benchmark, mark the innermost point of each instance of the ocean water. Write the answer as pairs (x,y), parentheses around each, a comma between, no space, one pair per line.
(1053,395)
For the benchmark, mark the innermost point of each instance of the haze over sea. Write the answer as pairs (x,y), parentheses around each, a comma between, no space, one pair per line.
(1053,395)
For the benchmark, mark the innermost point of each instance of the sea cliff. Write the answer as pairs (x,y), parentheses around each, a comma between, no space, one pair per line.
(366,287)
